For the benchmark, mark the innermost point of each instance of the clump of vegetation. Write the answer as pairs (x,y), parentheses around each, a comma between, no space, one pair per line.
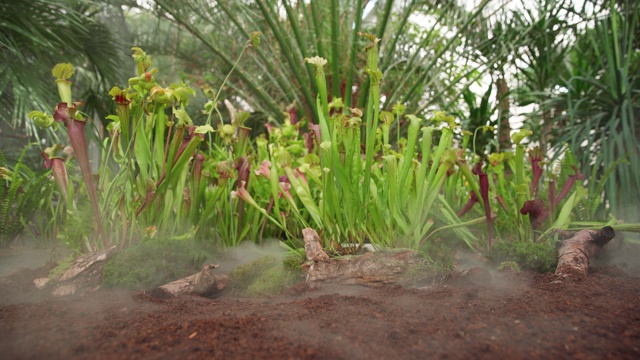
(509,265)
(152,264)
(22,193)
(428,272)
(539,257)
(264,276)
(439,255)
(77,228)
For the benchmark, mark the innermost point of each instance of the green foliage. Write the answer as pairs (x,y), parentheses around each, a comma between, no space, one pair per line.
(264,276)
(339,169)
(22,193)
(78,228)
(349,194)
(539,257)
(153,263)
(582,69)
(156,181)
(602,105)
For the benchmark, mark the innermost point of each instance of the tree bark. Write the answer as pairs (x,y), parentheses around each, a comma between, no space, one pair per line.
(576,249)
(504,127)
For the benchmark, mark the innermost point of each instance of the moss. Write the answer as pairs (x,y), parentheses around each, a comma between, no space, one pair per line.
(509,265)
(539,257)
(439,255)
(62,266)
(272,281)
(151,264)
(264,276)
(293,261)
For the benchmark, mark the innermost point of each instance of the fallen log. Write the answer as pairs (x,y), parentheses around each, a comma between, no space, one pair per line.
(576,249)
(84,274)
(203,283)
(374,269)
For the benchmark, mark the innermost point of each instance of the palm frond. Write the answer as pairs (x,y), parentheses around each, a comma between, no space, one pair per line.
(37,34)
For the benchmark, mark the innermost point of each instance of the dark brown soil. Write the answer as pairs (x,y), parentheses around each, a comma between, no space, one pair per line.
(520,315)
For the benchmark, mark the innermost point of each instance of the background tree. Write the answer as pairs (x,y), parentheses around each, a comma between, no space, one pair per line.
(600,120)
(419,62)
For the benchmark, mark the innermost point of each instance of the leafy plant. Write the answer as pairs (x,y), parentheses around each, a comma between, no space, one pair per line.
(580,64)
(22,193)
(602,105)
(348,188)
(154,178)
(67,112)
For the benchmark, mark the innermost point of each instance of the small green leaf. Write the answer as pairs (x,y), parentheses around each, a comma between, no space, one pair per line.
(336,103)
(241,117)
(204,129)
(142,59)
(182,116)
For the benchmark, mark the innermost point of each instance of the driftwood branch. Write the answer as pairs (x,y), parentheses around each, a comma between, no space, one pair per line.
(373,269)
(576,249)
(203,283)
(312,246)
(83,275)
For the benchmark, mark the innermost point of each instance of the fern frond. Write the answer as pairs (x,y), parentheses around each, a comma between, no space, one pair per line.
(23,192)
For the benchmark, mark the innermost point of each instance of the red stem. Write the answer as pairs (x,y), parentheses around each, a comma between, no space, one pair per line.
(79,144)
(472,201)
(484,192)
(566,187)
(537,173)
(552,198)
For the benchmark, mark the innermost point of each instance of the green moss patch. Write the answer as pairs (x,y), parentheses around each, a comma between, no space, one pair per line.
(538,257)
(62,266)
(509,265)
(152,264)
(264,276)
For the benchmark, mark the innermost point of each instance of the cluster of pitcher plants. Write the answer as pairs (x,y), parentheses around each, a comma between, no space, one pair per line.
(163,177)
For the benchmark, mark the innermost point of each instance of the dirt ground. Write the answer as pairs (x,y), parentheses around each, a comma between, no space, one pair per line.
(519,315)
